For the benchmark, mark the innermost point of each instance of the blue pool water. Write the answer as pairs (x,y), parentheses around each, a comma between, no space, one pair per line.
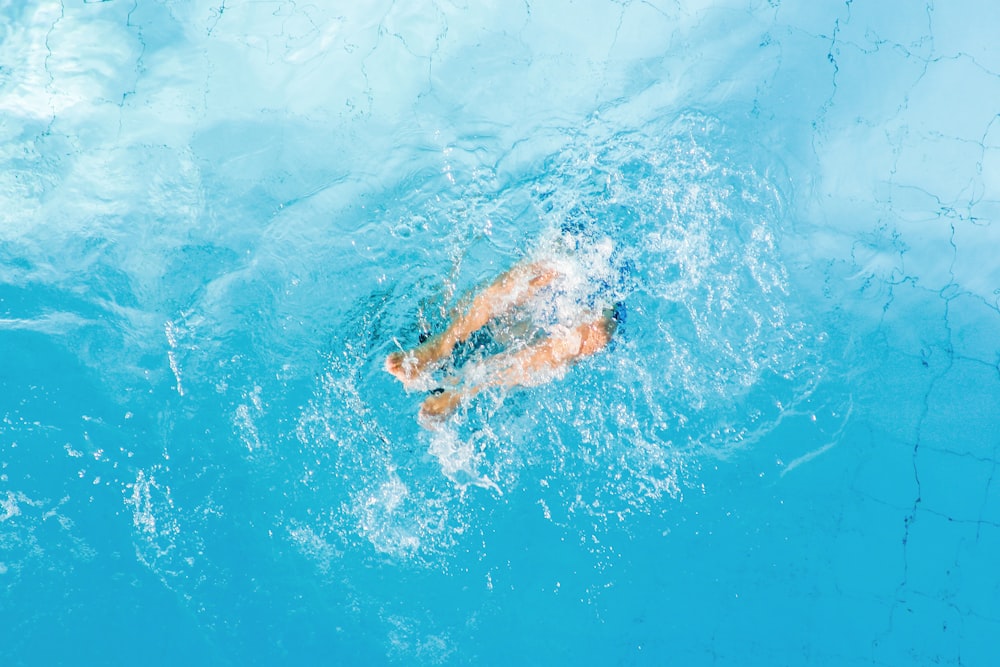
(218,218)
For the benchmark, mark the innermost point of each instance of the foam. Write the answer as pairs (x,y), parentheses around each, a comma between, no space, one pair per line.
(709,334)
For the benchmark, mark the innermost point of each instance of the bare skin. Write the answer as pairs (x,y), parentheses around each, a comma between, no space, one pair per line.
(549,354)
(510,290)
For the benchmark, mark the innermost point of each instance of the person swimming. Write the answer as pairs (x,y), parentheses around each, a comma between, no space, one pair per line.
(547,312)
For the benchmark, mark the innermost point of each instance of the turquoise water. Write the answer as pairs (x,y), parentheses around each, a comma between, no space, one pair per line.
(219,217)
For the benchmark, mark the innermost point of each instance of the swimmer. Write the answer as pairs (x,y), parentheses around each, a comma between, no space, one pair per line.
(543,313)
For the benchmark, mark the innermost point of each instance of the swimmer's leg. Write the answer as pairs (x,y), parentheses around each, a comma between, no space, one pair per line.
(508,291)
(528,366)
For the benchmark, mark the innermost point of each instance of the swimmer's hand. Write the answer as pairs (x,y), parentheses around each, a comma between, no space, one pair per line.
(438,407)
(403,365)
(411,368)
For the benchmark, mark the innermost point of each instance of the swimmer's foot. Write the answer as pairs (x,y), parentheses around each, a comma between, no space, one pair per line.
(440,405)
(443,401)
(410,365)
